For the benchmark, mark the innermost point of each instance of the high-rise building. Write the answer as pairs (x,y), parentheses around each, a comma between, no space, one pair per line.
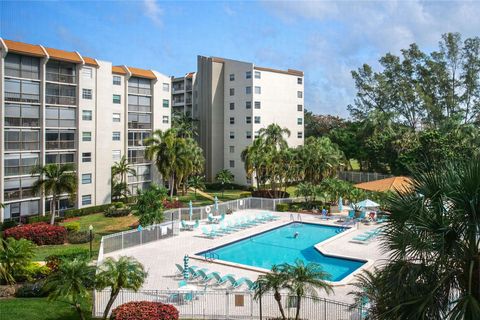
(234,101)
(183,93)
(58,106)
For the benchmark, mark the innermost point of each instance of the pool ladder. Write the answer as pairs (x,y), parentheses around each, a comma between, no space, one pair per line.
(298,219)
(211,255)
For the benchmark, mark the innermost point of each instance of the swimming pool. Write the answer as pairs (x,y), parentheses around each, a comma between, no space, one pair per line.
(279,246)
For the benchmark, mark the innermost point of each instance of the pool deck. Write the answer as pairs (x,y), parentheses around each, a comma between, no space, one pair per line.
(159,257)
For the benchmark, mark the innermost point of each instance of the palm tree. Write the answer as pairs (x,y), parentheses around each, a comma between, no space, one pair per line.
(433,270)
(272,281)
(124,273)
(305,280)
(69,283)
(273,135)
(149,205)
(54,180)
(15,256)
(122,168)
(197,183)
(224,177)
(185,124)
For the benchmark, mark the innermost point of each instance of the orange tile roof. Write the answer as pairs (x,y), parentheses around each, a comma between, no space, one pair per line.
(190,75)
(142,73)
(24,48)
(118,70)
(63,55)
(90,61)
(289,71)
(389,184)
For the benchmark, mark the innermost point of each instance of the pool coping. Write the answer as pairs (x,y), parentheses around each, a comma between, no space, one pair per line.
(368,263)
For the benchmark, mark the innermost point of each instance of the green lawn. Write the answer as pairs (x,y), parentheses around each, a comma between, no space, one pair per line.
(190,196)
(230,194)
(39,309)
(101,226)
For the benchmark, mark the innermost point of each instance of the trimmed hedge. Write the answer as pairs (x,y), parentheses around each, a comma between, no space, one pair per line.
(282,207)
(269,194)
(85,211)
(54,260)
(78,237)
(40,233)
(216,186)
(145,310)
(72,226)
(8,224)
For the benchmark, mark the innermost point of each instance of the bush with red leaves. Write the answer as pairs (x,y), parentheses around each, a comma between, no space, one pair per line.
(40,233)
(172,204)
(145,310)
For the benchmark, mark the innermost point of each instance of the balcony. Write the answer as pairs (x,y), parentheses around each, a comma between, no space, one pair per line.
(22,97)
(64,100)
(139,125)
(22,146)
(60,145)
(12,72)
(179,102)
(140,91)
(139,108)
(63,78)
(178,89)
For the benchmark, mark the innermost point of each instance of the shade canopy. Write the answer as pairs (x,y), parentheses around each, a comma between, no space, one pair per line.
(389,184)
(367,203)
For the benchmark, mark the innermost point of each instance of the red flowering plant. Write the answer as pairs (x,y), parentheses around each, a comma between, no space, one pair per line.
(172,204)
(145,310)
(40,233)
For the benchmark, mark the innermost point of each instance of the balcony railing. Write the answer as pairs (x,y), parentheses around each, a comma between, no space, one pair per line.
(18,194)
(22,122)
(141,91)
(178,89)
(139,108)
(68,100)
(20,170)
(11,72)
(18,145)
(22,97)
(60,145)
(139,125)
(63,78)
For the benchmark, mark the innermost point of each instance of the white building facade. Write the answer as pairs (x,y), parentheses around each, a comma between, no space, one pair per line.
(61,107)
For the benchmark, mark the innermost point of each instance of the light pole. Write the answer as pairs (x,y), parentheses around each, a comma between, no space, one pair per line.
(90,228)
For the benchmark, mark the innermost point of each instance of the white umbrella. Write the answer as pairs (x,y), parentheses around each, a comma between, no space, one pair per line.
(367,203)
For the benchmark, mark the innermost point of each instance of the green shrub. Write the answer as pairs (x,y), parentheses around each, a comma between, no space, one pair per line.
(245,194)
(32,290)
(7,224)
(33,271)
(119,204)
(39,218)
(116,210)
(72,226)
(295,207)
(85,211)
(53,261)
(282,207)
(77,237)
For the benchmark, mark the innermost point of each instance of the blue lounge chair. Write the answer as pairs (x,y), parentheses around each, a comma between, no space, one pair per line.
(221,280)
(181,270)
(210,234)
(211,219)
(196,225)
(195,273)
(238,282)
(222,217)
(204,277)
(182,283)
(184,225)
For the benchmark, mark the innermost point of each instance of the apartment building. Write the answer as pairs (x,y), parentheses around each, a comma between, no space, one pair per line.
(235,100)
(61,107)
(183,93)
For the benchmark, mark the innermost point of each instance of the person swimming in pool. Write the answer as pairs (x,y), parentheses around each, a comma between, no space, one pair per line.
(295,235)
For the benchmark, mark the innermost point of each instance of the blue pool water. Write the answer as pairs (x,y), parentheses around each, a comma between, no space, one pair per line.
(279,246)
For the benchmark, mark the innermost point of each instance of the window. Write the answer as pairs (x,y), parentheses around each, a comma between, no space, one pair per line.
(299,94)
(22,139)
(299,107)
(60,117)
(86,178)
(135,139)
(22,115)
(257,105)
(232,106)
(58,71)
(60,157)
(165,119)
(258,90)
(232,91)
(87,94)
(232,149)
(86,199)
(116,136)
(87,115)
(87,73)
(166,103)
(139,120)
(248,75)
(249,134)
(86,136)
(258,74)
(22,91)
(232,163)
(248,104)
(116,117)
(60,139)
(116,155)
(299,134)
(139,86)
(166,87)
(232,135)
(257,119)
(257,134)
(299,121)
(248,119)
(87,157)
(232,77)
(299,80)
(117,99)
(139,103)
(18,188)
(117,80)
(232,120)
(20,163)
(136,156)
(22,66)
(248,90)
(60,94)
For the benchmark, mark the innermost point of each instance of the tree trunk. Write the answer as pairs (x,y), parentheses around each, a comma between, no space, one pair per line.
(278,298)
(113,297)
(53,204)
(79,311)
(297,316)
(172,186)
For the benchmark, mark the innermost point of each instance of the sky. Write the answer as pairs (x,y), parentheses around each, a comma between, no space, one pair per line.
(325,39)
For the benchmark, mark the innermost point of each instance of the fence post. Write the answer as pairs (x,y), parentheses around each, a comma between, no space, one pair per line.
(122,240)
(227,303)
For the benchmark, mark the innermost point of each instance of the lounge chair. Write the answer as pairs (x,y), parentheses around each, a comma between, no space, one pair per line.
(204,277)
(182,283)
(196,225)
(195,273)
(209,233)
(222,217)
(185,226)
(221,280)
(181,270)
(236,283)
(211,218)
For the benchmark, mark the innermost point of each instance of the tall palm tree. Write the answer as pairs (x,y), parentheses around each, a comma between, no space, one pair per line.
(124,273)
(272,281)
(55,180)
(433,270)
(224,177)
(185,125)
(305,279)
(69,283)
(274,136)
(121,169)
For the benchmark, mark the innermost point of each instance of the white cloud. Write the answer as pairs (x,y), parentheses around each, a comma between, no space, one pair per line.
(345,34)
(153,11)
